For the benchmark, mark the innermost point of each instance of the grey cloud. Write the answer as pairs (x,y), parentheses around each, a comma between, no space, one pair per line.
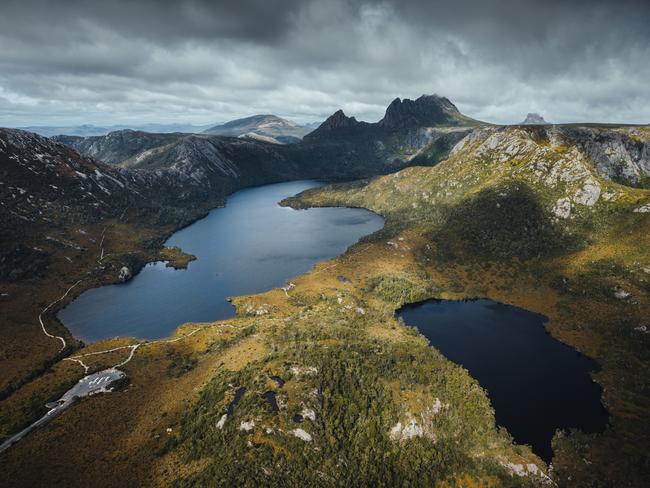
(200,61)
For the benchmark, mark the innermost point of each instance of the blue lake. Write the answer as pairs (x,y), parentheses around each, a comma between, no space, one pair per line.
(249,246)
(536,383)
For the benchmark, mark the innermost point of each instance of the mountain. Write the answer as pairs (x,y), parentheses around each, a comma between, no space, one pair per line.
(401,116)
(420,131)
(270,127)
(87,130)
(533,119)
(426,111)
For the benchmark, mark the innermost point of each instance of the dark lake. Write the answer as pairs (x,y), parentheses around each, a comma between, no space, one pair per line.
(249,246)
(536,384)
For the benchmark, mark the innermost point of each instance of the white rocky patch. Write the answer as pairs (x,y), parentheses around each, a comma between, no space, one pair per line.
(608,196)
(437,406)
(257,311)
(222,421)
(622,294)
(247,426)
(527,470)
(401,432)
(308,370)
(643,209)
(302,435)
(309,413)
(562,208)
(589,193)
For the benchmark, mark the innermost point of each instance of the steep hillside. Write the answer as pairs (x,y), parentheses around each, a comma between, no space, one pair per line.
(271,127)
(118,146)
(46,184)
(529,216)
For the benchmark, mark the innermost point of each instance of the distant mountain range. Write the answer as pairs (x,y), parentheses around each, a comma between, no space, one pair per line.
(87,130)
(266,127)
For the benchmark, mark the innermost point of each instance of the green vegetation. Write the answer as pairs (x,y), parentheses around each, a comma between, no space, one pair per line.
(358,389)
(502,222)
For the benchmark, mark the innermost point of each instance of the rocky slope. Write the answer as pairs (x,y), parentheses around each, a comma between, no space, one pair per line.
(118,146)
(270,127)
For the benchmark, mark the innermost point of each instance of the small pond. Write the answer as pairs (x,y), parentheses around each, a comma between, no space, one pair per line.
(536,383)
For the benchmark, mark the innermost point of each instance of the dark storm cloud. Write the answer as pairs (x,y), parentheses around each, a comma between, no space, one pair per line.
(203,61)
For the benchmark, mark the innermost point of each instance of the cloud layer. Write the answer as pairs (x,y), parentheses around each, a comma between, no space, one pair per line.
(72,62)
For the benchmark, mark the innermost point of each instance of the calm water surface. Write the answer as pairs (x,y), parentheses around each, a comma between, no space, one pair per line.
(536,384)
(250,246)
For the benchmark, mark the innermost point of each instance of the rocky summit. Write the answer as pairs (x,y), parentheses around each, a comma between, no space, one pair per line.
(533,119)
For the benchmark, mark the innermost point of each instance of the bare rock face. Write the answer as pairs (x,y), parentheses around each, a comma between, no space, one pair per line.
(428,110)
(621,155)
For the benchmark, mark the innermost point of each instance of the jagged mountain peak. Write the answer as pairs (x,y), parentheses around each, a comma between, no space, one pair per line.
(338,119)
(338,123)
(533,119)
(427,110)
(401,115)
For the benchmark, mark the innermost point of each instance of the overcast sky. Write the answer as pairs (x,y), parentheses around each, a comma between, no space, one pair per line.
(118,61)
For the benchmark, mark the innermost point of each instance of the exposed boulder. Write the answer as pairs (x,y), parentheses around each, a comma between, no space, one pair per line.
(125,274)
(302,435)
